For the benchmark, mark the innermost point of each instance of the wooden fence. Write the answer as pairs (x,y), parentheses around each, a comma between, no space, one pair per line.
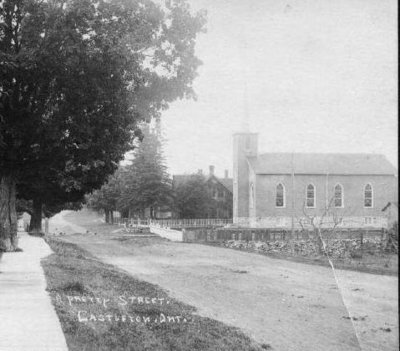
(175,223)
(131,222)
(192,223)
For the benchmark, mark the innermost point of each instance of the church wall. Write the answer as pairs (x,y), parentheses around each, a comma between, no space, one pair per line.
(383,192)
(268,215)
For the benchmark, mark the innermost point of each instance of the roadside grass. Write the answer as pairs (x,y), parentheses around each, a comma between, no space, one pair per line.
(119,312)
(382,264)
(130,240)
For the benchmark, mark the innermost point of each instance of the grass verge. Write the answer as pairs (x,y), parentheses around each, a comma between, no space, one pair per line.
(385,264)
(103,308)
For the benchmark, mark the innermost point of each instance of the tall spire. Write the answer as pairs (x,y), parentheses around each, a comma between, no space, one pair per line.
(246,116)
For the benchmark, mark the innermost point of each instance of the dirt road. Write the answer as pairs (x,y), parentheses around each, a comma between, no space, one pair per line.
(288,305)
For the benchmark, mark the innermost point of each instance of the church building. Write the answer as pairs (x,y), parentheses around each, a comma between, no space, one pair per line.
(297,190)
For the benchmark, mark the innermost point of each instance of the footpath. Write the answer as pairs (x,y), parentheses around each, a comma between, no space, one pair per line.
(28,320)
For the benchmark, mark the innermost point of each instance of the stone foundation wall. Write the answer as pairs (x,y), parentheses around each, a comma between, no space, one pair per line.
(336,248)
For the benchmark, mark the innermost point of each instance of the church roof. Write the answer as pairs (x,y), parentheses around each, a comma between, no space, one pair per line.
(318,163)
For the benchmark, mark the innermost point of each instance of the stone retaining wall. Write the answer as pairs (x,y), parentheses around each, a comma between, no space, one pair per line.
(336,248)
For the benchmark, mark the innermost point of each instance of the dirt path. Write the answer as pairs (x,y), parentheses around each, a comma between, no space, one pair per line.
(288,305)
(59,224)
(28,320)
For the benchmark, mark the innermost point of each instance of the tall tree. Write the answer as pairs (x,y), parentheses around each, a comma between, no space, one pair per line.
(76,77)
(147,183)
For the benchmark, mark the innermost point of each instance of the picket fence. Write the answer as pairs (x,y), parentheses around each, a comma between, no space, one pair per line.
(175,223)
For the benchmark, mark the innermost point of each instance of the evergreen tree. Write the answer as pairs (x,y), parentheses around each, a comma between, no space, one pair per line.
(146,181)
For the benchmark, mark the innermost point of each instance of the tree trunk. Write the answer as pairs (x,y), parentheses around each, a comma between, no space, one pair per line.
(320,245)
(35,226)
(8,214)
(112,217)
(107,214)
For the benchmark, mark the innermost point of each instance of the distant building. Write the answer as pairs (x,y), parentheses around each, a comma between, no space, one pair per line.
(158,212)
(289,190)
(219,189)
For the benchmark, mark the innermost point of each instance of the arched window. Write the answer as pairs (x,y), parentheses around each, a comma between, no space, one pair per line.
(310,196)
(368,196)
(280,195)
(338,196)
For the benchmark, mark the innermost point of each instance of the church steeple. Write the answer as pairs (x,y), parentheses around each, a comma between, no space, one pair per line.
(244,146)
(245,123)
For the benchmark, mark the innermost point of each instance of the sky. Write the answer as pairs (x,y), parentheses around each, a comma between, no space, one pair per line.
(307,75)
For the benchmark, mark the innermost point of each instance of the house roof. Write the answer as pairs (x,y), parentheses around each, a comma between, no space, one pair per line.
(318,163)
(179,179)
(227,183)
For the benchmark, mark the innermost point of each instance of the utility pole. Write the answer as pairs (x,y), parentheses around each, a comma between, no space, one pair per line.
(293,201)
(326,191)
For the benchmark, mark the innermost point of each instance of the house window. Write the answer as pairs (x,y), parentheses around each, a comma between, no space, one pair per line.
(280,196)
(310,196)
(368,198)
(338,197)
(368,220)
